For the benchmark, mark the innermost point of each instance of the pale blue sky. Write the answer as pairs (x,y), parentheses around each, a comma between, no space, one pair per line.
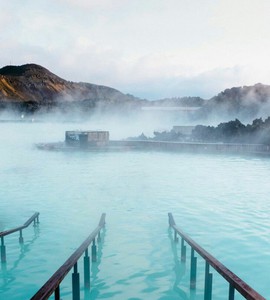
(151,48)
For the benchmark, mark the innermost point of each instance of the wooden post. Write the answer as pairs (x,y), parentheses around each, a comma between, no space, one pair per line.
(183,250)
(175,236)
(86,270)
(3,251)
(193,270)
(94,251)
(21,237)
(231,292)
(99,237)
(57,293)
(75,283)
(208,283)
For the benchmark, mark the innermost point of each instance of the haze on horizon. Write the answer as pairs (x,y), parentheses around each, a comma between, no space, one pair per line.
(151,49)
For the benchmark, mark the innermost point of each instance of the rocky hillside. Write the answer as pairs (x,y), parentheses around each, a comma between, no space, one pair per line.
(31,87)
(245,103)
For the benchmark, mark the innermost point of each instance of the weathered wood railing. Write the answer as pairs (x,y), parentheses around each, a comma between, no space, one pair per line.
(34,219)
(235,283)
(53,284)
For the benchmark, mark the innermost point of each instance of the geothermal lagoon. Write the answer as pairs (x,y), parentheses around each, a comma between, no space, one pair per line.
(222,202)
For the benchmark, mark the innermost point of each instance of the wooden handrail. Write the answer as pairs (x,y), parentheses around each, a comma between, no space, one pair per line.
(102,220)
(242,287)
(26,224)
(34,219)
(53,283)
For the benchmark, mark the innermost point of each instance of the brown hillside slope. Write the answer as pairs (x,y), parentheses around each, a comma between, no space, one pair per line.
(32,82)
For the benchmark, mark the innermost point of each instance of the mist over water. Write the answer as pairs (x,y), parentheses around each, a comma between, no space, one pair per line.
(221,201)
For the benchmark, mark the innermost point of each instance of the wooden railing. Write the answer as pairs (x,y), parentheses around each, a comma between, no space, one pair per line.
(34,219)
(235,283)
(53,284)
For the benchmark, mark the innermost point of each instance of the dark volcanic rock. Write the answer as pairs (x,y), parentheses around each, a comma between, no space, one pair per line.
(33,85)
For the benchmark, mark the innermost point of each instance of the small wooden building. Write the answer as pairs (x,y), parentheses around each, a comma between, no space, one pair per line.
(91,138)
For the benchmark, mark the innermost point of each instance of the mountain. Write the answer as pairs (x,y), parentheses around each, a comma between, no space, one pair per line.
(245,103)
(31,87)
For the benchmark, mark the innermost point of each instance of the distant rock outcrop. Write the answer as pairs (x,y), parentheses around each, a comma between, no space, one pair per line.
(32,87)
(245,103)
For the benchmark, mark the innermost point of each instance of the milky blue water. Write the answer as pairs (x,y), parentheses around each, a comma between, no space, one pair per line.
(221,201)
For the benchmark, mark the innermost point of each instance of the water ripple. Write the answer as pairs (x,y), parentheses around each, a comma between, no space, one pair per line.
(220,201)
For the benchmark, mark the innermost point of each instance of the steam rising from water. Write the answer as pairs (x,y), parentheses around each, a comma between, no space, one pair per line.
(136,189)
(119,126)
